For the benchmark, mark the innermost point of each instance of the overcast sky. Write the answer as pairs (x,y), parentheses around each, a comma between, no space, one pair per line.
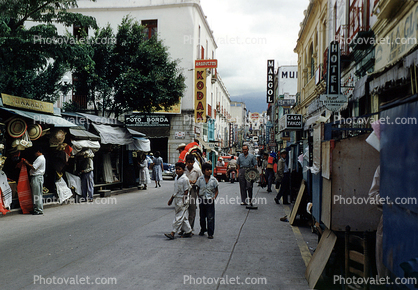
(248,32)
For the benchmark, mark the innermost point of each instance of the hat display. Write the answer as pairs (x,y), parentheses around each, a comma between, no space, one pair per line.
(57,138)
(16,127)
(34,131)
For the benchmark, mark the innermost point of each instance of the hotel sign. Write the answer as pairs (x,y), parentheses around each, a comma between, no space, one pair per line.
(333,100)
(270,81)
(27,104)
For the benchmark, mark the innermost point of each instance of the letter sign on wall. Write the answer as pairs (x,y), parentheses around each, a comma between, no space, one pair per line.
(333,100)
(270,81)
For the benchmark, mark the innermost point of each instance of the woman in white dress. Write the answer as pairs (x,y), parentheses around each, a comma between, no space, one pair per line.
(157,169)
(144,177)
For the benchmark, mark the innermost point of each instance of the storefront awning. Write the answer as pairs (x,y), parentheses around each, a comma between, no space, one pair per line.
(113,135)
(140,144)
(360,88)
(392,75)
(136,133)
(41,118)
(79,134)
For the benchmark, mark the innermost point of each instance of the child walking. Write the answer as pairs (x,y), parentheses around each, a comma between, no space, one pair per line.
(181,203)
(207,189)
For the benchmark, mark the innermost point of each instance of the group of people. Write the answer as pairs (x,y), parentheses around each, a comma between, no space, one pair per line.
(281,177)
(157,166)
(192,184)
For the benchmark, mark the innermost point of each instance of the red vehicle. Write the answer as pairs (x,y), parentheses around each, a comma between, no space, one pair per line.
(221,171)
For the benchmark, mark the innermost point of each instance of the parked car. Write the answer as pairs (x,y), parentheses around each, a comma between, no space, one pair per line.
(220,171)
(169,170)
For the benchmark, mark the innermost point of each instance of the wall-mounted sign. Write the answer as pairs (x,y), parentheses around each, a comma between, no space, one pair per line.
(286,102)
(180,135)
(27,104)
(206,63)
(270,81)
(333,100)
(146,120)
(290,122)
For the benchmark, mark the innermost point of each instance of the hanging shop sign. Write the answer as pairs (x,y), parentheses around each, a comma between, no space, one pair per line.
(270,81)
(27,104)
(290,122)
(333,100)
(200,88)
(231,135)
(286,102)
(179,135)
(147,120)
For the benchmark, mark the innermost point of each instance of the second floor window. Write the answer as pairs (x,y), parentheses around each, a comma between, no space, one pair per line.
(151,28)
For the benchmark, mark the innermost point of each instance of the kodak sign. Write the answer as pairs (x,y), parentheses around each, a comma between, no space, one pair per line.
(200,68)
(200,98)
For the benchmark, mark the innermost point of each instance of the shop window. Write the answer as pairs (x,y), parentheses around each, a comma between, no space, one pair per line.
(151,28)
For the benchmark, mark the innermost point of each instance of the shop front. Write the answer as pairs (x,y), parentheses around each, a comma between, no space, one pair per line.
(27,125)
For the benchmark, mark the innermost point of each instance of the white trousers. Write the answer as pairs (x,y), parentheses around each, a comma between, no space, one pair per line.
(181,218)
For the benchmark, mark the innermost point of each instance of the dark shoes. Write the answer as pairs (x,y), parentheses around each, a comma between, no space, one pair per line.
(159,184)
(210,237)
(170,236)
(38,213)
(201,233)
(276,200)
(187,235)
(243,203)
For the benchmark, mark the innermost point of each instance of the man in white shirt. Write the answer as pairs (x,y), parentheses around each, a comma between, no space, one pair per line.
(37,172)
(193,173)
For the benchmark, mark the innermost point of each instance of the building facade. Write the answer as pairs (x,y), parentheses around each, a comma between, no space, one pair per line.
(183,28)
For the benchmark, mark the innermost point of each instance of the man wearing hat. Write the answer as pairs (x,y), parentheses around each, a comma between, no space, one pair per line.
(283,177)
(37,172)
(181,147)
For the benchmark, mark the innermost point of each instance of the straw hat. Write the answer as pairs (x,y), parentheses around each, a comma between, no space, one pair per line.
(182,145)
(34,131)
(16,127)
(57,138)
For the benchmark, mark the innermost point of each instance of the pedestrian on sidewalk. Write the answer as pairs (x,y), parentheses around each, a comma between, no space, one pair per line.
(193,173)
(157,169)
(144,177)
(282,178)
(245,161)
(37,172)
(86,175)
(207,189)
(181,203)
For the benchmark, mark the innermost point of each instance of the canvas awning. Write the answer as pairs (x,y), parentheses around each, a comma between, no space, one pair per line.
(80,134)
(136,133)
(113,135)
(140,144)
(41,118)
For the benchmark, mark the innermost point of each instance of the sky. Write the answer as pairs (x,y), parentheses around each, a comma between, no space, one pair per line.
(248,33)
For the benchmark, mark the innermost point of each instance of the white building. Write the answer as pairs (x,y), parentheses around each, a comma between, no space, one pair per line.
(182,26)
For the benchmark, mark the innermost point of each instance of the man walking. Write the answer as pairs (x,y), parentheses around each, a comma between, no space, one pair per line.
(283,177)
(193,173)
(245,161)
(37,172)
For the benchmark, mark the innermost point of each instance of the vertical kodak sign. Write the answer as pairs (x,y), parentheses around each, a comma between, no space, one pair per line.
(200,87)
(200,99)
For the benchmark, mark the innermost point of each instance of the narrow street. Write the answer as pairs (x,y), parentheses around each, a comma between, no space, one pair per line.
(119,240)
